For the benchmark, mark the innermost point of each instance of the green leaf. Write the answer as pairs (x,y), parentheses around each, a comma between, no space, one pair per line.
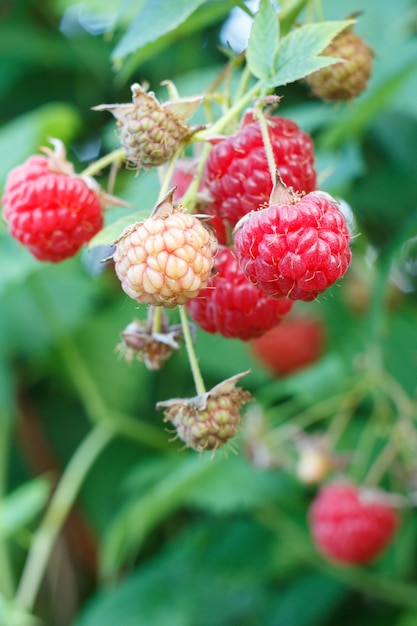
(317,591)
(211,573)
(201,20)
(131,525)
(20,507)
(298,53)
(22,136)
(157,18)
(108,235)
(289,13)
(246,487)
(263,41)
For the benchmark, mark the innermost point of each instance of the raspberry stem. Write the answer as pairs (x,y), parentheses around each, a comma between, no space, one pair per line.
(58,509)
(6,580)
(96,167)
(155,314)
(267,144)
(229,116)
(168,174)
(191,192)
(188,340)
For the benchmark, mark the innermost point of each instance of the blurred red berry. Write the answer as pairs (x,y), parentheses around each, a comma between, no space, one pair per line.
(352,525)
(296,343)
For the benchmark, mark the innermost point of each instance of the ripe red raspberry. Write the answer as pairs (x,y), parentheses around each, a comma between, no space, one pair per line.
(48,208)
(237,176)
(166,259)
(351,525)
(345,80)
(210,420)
(291,346)
(232,306)
(296,248)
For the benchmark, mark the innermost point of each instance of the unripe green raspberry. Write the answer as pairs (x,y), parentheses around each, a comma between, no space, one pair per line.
(166,259)
(208,421)
(348,79)
(151,132)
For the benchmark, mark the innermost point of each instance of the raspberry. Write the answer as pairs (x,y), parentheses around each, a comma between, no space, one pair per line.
(351,525)
(208,421)
(237,176)
(291,346)
(232,306)
(345,80)
(151,132)
(48,208)
(297,248)
(166,259)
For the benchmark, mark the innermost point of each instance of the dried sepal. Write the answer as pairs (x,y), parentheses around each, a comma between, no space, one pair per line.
(207,421)
(153,348)
(150,131)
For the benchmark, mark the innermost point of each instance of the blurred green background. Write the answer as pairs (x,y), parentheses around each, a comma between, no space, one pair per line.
(183,539)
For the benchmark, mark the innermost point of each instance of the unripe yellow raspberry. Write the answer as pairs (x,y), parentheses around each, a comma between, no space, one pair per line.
(166,259)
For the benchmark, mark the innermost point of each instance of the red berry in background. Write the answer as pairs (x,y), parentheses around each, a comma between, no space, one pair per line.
(237,176)
(351,525)
(233,307)
(296,247)
(296,343)
(48,208)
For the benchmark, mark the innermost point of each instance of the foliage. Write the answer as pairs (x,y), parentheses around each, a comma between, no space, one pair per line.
(159,535)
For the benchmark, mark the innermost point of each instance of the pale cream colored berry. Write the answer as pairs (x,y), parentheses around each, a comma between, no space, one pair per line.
(165,260)
(313,466)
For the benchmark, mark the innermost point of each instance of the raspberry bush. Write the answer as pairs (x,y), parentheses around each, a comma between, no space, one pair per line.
(208,311)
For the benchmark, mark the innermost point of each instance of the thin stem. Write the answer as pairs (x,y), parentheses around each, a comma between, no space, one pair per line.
(156,317)
(96,167)
(243,83)
(267,145)
(225,119)
(168,174)
(195,369)
(6,579)
(382,462)
(57,511)
(195,183)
